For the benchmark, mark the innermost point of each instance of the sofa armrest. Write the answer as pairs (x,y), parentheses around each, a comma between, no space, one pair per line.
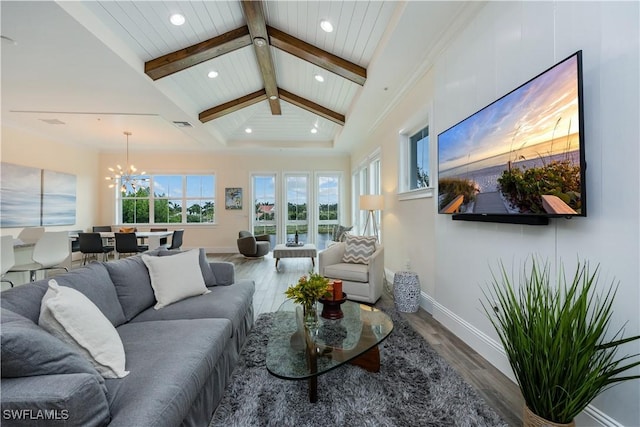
(54,400)
(224,271)
(330,256)
(263,238)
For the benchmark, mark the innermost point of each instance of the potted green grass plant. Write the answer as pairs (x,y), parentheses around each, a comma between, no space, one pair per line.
(557,340)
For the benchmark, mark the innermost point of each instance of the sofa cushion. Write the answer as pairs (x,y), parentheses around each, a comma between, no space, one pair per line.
(73,318)
(132,283)
(358,249)
(223,302)
(207,273)
(68,400)
(92,280)
(175,278)
(348,271)
(167,371)
(28,350)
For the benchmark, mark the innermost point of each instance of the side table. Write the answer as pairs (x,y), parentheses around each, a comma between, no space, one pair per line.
(406,291)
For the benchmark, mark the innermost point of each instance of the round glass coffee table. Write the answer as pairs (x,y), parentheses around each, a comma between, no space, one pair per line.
(297,352)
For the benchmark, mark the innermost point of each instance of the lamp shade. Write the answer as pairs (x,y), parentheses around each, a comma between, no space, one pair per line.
(371,202)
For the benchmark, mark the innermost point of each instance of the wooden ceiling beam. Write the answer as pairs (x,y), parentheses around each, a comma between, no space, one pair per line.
(189,56)
(312,106)
(231,106)
(317,56)
(258,29)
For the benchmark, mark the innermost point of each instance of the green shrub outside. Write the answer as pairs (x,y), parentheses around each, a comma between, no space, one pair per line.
(453,187)
(524,188)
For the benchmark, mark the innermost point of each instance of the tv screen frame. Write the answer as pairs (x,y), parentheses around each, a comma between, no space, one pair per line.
(515,160)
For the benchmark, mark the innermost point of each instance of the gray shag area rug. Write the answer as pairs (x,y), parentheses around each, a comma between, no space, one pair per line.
(415,387)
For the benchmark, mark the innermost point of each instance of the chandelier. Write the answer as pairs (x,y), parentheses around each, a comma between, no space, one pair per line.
(127,177)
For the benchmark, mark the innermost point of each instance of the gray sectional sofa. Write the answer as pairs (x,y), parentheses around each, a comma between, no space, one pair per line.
(179,357)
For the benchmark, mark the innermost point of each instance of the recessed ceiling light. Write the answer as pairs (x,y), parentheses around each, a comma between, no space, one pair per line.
(260,42)
(248,130)
(177,19)
(212,74)
(273,97)
(326,26)
(314,130)
(319,78)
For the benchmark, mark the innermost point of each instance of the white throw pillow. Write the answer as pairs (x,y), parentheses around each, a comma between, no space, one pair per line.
(175,277)
(69,315)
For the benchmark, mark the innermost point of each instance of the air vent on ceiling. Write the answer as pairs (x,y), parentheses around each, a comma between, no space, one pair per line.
(182,124)
(53,121)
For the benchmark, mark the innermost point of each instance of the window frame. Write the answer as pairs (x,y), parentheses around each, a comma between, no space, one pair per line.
(151,198)
(317,222)
(412,127)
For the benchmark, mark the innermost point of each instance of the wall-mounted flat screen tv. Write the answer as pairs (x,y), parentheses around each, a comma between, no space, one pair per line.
(522,156)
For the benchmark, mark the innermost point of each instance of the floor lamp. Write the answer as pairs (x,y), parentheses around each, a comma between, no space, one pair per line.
(371,202)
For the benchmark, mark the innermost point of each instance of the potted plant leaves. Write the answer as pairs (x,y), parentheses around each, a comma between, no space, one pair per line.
(557,339)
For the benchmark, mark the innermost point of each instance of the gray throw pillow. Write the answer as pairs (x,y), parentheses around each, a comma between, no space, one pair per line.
(28,350)
(133,285)
(340,233)
(207,273)
(358,249)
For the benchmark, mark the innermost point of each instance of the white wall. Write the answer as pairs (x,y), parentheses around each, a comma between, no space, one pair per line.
(505,45)
(27,149)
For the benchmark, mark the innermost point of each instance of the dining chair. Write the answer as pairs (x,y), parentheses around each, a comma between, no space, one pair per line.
(91,244)
(176,240)
(163,240)
(8,258)
(127,243)
(75,242)
(104,229)
(49,252)
(31,234)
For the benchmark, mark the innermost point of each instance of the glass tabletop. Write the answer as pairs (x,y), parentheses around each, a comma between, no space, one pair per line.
(296,352)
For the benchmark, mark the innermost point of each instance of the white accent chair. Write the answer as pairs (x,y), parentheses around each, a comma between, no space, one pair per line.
(30,234)
(53,248)
(8,258)
(361,282)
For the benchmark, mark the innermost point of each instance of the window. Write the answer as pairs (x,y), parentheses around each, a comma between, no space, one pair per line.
(199,198)
(135,203)
(419,159)
(173,199)
(297,193)
(328,214)
(264,205)
(367,179)
(415,180)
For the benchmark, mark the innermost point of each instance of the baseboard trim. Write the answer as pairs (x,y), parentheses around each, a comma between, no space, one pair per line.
(494,353)
(487,347)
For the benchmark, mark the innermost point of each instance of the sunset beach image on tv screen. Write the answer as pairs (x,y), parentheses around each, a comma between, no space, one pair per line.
(519,155)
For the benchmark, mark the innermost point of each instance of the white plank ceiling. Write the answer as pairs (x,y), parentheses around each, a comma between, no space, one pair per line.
(82,63)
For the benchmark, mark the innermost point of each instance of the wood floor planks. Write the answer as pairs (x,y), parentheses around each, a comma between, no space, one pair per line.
(494,387)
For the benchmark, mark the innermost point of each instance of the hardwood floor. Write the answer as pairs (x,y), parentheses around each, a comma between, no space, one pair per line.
(495,388)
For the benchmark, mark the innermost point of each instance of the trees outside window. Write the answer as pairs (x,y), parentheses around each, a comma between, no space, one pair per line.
(166,196)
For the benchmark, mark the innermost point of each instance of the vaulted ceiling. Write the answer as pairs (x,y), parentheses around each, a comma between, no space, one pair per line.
(85,72)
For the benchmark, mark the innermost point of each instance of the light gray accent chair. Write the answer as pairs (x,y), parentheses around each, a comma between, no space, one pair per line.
(253,246)
(361,282)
